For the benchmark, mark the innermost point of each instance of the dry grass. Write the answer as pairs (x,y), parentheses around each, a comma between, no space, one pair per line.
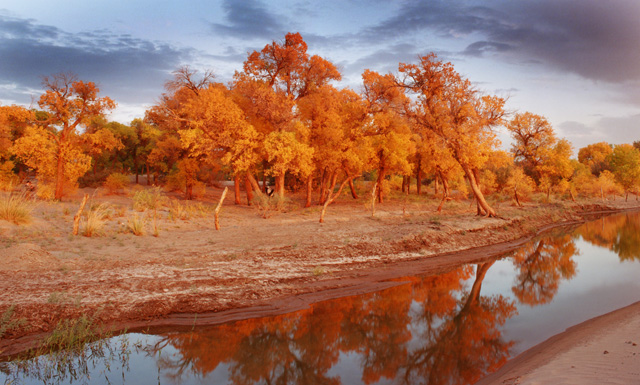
(136,224)
(15,208)
(96,219)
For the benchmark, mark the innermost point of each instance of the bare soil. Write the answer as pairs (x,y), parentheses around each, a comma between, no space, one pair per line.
(251,267)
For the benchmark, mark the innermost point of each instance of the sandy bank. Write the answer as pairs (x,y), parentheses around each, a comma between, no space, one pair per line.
(603,350)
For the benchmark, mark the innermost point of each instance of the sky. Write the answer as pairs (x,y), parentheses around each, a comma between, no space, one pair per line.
(576,62)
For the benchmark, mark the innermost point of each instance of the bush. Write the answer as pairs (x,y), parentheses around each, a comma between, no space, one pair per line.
(150,199)
(136,224)
(7,178)
(115,182)
(266,206)
(45,191)
(96,218)
(15,208)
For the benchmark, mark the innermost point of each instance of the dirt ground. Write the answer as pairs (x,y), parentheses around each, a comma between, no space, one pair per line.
(251,267)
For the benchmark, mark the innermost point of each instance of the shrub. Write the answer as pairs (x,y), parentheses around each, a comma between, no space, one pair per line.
(7,178)
(96,218)
(115,182)
(45,191)
(15,208)
(266,206)
(136,224)
(150,199)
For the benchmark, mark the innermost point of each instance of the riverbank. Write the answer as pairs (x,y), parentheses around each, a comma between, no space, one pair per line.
(602,350)
(251,267)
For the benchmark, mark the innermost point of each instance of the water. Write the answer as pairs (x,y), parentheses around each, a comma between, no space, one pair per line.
(452,328)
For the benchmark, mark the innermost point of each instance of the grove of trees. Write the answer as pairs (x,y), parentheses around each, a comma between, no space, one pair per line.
(284,119)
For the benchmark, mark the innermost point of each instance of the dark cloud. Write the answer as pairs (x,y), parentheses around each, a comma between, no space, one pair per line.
(592,38)
(127,69)
(248,19)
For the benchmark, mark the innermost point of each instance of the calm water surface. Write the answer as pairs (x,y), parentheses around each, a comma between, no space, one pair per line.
(448,329)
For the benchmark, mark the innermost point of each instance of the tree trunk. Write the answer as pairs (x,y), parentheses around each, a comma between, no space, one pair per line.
(309,190)
(265,164)
(477,192)
(76,218)
(254,182)
(445,189)
(353,189)
(381,175)
(404,184)
(148,174)
(322,186)
(419,176)
(216,213)
(248,189)
(59,191)
(280,185)
(236,189)
(332,196)
(515,194)
(135,162)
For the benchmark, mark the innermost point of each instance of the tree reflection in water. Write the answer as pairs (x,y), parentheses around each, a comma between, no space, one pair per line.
(458,341)
(618,233)
(432,330)
(540,266)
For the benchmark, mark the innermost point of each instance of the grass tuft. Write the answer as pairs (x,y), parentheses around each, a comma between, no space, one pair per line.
(96,219)
(15,208)
(136,224)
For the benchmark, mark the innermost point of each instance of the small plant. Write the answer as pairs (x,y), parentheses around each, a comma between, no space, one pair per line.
(266,205)
(150,199)
(115,182)
(317,271)
(178,211)
(136,225)
(7,323)
(15,208)
(95,221)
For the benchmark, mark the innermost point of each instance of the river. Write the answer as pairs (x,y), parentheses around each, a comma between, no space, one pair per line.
(452,328)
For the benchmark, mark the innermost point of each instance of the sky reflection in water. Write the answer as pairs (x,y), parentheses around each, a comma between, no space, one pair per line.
(447,329)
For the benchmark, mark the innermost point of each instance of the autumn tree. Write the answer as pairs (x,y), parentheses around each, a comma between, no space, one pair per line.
(290,72)
(70,104)
(595,156)
(388,131)
(625,164)
(448,105)
(533,138)
(13,121)
(169,115)
(334,120)
(556,167)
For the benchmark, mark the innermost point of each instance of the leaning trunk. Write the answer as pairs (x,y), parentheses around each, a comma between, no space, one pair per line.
(353,189)
(249,190)
(477,193)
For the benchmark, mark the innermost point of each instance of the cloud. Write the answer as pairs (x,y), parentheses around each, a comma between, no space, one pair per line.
(594,39)
(248,19)
(614,130)
(130,69)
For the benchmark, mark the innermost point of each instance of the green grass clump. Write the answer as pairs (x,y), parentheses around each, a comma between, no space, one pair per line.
(15,208)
